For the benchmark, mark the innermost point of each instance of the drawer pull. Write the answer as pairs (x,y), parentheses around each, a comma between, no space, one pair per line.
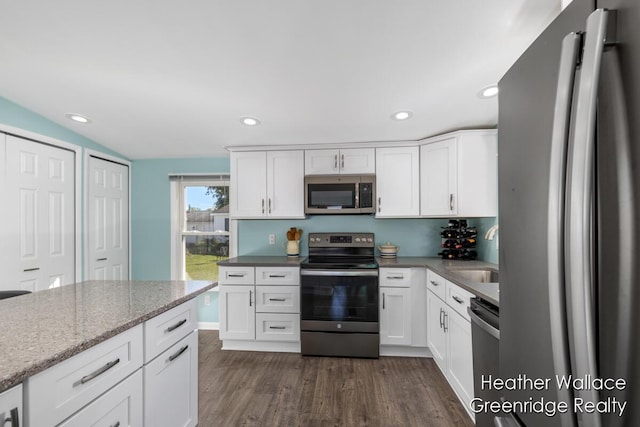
(395,277)
(444,321)
(31,269)
(441,321)
(277,327)
(101,259)
(277,276)
(434,283)
(176,326)
(117,424)
(97,373)
(457,299)
(14,418)
(235,275)
(178,353)
(277,299)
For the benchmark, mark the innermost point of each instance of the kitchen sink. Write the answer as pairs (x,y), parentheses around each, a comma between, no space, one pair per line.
(478,275)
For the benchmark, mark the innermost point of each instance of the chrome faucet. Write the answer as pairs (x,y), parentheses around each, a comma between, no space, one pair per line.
(491,233)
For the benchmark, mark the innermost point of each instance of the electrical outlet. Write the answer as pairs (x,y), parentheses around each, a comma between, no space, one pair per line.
(207,299)
(272,239)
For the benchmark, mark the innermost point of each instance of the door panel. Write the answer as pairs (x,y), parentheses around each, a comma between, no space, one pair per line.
(40,183)
(108,257)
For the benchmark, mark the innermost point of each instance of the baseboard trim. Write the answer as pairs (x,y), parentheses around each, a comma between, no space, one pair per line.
(401,351)
(209,326)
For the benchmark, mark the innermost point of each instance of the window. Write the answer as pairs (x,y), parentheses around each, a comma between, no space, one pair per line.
(201,226)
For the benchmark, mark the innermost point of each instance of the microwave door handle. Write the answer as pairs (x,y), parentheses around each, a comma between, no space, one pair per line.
(357,201)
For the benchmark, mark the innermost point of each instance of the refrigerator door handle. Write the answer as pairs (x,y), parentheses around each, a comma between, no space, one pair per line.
(569,57)
(579,216)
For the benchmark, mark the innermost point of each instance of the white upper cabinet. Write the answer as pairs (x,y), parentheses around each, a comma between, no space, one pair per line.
(397,182)
(459,175)
(267,184)
(343,161)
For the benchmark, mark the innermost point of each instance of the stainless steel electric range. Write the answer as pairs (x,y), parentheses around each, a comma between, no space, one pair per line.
(339,303)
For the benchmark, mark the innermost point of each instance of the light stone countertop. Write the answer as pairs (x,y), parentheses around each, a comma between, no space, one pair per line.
(47,327)
(263,261)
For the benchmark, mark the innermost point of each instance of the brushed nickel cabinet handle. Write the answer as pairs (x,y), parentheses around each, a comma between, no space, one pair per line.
(176,326)
(277,299)
(383,300)
(457,299)
(14,418)
(26,270)
(335,161)
(235,275)
(441,321)
(262,205)
(434,283)
(277,327)
(101,259)
(379,204)
(451,201)
(444,322)
(96,373)
(277,276)
(178,353)
(342,162)
(269,204)
(250,298)
(117,424)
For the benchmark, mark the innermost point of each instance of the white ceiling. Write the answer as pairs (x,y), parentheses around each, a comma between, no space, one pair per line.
(170,78)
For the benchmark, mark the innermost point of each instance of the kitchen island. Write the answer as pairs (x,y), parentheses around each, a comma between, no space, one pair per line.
(42,329)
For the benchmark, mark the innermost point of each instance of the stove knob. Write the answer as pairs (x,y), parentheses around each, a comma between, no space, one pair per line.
(357,240)
(370,240)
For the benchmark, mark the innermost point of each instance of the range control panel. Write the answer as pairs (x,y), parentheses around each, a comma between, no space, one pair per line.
(341,240)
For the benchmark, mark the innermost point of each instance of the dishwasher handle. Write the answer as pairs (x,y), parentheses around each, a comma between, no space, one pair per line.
(494,332)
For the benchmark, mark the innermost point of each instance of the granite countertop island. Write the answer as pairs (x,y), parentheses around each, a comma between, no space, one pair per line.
(447,269)
(263,261)
(44,328)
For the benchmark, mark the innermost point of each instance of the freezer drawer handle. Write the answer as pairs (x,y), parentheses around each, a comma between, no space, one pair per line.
(176,326)
(96,373)
(178,353)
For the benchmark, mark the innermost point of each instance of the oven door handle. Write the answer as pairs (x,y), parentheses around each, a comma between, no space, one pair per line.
(339,273)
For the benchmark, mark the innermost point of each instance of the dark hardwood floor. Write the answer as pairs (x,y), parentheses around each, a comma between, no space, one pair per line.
(238,388)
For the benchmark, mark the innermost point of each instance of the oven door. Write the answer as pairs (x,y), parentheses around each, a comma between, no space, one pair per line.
(339,300)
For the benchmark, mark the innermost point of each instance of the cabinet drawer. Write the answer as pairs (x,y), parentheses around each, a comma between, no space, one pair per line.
(171,386)
(236,275)
(277,276)
(278,299)
(56,393)
(121,406)
(277,327)
(458,299)
(436,284)
(168,328)
(395,277)
(11,400)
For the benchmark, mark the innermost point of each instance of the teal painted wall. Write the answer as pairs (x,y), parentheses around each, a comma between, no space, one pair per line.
(14,115)
(150,211)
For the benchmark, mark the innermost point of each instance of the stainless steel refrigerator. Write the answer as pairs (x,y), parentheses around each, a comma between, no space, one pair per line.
(569,167)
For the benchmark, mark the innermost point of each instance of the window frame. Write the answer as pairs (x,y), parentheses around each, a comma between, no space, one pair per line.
(178,183)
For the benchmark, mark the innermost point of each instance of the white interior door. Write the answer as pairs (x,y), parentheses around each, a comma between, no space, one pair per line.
(40,182)
(108,227)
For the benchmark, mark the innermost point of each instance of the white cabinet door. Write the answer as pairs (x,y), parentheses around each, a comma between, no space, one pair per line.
(171,386)
(11,406)
(108,225)
(478,174)
(346,161)
(460,356)
(248,191)
(320,162)
(438,178)
(40,188)
(436,335)
(397,182)
(357,160)
(395,316)
(237,312)
(121,406)
(285,184)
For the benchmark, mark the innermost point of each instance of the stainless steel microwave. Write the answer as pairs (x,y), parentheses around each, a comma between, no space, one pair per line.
(339,194)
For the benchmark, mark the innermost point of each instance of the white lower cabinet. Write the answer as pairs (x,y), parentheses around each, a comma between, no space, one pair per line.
(121,406)
(403,318)
(11,406)
(171,385)
(260,308)
(144,376)
(449,337)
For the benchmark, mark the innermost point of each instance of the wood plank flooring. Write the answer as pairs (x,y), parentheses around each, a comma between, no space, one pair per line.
(238,388)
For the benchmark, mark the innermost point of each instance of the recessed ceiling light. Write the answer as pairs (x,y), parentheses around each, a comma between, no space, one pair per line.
(402,115)
(78,118)
(250,121)
(489,91)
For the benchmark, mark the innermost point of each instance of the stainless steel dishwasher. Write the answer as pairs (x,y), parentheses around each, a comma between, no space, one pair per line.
(485,335)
